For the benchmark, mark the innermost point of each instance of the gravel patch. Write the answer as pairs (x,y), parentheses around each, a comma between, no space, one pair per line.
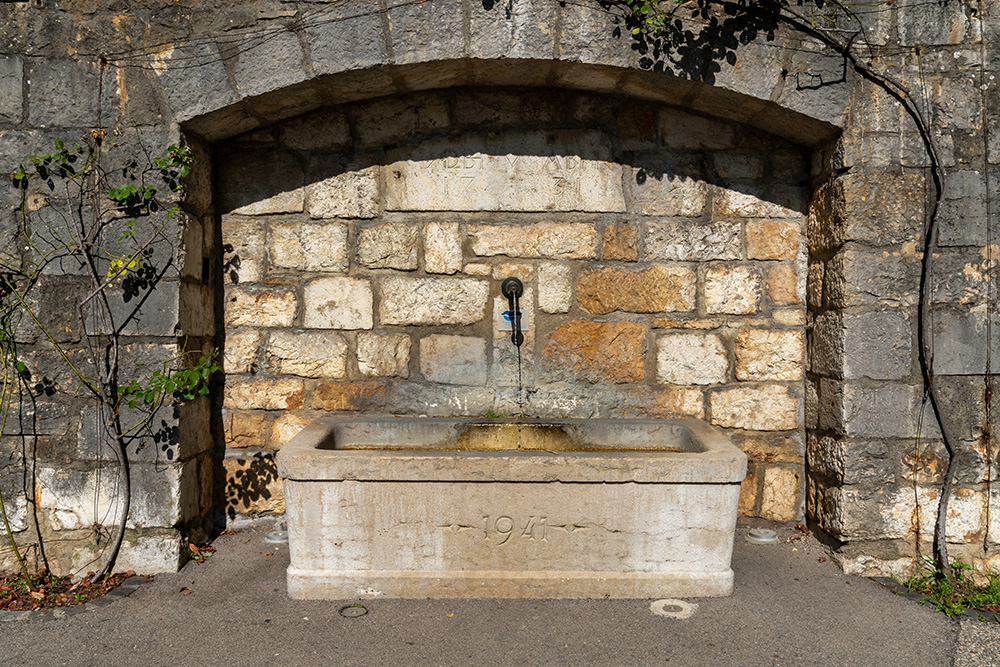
(978,644)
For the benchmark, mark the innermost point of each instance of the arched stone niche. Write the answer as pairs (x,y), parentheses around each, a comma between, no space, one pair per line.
(663,255)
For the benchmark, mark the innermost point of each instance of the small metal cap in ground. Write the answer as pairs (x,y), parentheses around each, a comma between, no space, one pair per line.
(762,536)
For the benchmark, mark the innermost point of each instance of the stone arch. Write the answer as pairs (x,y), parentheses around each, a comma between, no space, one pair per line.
(719,106)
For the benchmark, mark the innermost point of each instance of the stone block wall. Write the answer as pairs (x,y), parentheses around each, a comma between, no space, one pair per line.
(663,256)
(657,245)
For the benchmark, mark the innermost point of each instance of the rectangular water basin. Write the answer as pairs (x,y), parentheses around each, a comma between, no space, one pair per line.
(420,507)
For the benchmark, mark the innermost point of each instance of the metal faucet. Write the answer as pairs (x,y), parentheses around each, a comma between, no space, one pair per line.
(512,288)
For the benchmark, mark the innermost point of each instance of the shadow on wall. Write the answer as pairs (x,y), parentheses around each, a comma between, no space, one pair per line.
(503,150)
(252,484)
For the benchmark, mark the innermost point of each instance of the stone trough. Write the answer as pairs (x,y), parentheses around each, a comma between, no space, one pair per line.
(463,507)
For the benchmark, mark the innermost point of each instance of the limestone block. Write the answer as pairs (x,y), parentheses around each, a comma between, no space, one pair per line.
(191,96)
(735,290)
(264,394)
(391,120)
(420,33)
(309,354)
(477,269)
(734,204)
(775,449)
(656,290)
(145,554)
(513,366)
(68,496)
(345,194)
(763,354)
(453,359)
(424,398)
(583,37)
(156,314)
(525,31)
(669,194)
(879,209)
(875,345)
(245,429)
(346,396)
(878,345)
(252,485)
(689,358)
(342,38)
(898,510)
(522,271)
(273,63)
(442,247)
(790,317)
(749,491)
(674,402)
(555,288)
(781,498)
(432,301)
(263,308)
(389,246)
(546,240)
(963,210)
(286,426)
(889,411)
(960,340)
(621,242)
(597,351)
(384,355)
(63,93)
(782,284)
(325,129)
(297,246)
(496,108)
(259,182)
(338,303)
(241,351)
(944,23)
(757,408)
(965,275)
(690,241)
(682,322)
(738,165)
(11,89)
(246,259)
(562,170)
(817,271)
(773,239)
(686,131)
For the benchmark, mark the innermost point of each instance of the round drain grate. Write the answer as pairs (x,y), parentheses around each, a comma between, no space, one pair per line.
(353,611)
(673,608)
(762,536)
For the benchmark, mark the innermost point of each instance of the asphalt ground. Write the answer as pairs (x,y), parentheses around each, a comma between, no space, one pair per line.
(792,606)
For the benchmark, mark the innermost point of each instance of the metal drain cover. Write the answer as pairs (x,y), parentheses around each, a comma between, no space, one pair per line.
(673,608)
(353,611)
(277,537)
(762,536)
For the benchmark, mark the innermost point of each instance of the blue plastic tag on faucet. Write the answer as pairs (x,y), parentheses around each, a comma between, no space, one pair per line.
(505,321)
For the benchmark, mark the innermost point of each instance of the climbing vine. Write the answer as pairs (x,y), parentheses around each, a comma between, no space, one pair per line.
(101,210)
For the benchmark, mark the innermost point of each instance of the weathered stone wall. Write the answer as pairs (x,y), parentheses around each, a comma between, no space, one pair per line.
(663,256)
(343,90)
(875,451)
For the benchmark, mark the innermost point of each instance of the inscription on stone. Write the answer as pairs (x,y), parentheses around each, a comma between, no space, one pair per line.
(498,530)
(566,171)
